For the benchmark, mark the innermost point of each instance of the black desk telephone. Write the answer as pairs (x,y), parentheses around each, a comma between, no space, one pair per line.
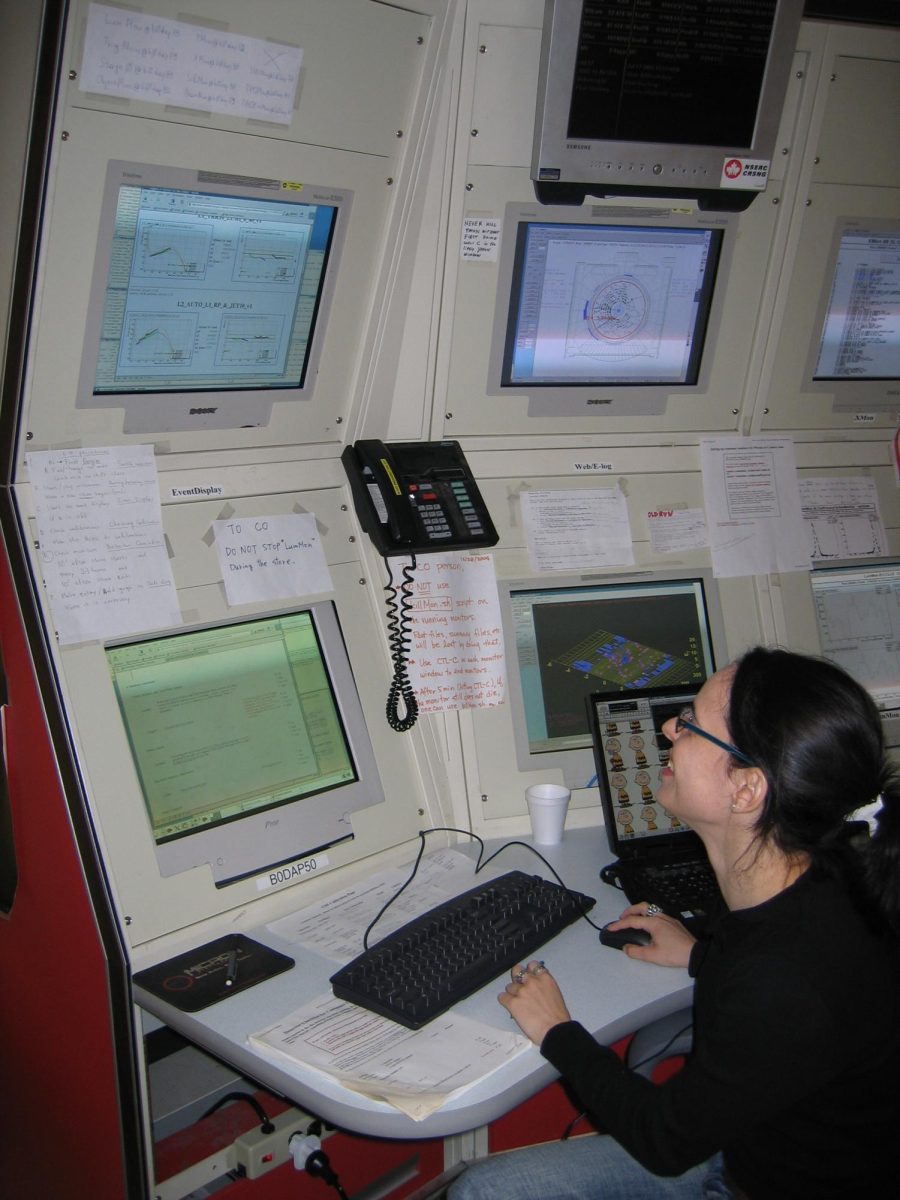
(417,497)
(413,498)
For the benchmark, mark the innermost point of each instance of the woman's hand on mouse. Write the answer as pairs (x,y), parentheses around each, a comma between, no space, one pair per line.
(534,1001)
(671,943)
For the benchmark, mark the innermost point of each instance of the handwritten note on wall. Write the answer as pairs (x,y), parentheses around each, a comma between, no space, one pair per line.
(142,57)
(102,549)
(271,558)
(456,657)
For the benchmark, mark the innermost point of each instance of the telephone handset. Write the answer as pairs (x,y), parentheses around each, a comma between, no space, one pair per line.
(413,498)
(417,497)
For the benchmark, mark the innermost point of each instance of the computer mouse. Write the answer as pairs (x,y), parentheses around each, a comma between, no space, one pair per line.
(618,939)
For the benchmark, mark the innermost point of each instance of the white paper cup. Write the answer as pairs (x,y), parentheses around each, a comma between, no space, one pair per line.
(547,807)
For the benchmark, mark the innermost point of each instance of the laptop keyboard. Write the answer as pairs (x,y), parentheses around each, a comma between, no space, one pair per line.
(682,886)
(687,889)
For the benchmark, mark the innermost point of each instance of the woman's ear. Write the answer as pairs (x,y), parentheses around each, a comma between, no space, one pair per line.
(750,788)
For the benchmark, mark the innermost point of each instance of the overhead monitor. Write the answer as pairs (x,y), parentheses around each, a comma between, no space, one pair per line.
(856,349)
(248,740)
(857,606)
(680,97)
(572,638)
(210,296)
(605,317)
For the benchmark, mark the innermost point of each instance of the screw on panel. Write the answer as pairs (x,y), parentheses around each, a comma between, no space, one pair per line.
(65,135)
(362,583)
(338,420)
(73,74)
(484,798)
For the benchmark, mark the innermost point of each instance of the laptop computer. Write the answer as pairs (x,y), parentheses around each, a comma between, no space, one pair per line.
(658,858)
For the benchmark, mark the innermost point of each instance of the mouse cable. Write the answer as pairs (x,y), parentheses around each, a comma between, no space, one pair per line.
(479,865)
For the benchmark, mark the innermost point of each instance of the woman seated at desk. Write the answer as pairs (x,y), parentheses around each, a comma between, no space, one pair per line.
(791,1089)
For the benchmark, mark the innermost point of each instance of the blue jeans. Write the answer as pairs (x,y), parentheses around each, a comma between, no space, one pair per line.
(584,1168)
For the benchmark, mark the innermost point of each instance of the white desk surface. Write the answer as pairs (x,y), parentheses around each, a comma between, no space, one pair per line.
(609,993)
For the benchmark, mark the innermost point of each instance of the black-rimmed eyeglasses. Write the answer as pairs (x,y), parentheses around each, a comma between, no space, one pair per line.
(685,720)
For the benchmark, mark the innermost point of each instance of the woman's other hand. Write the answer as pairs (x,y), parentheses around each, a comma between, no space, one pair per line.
(534,1001)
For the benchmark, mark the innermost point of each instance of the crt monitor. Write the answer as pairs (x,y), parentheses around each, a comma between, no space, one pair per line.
(210,295)
(641,97)
(248,740)
(572,638)
(855,353)
(605,316)
(857,608)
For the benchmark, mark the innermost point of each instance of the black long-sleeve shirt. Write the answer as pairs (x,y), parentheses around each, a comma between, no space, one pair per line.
(794,1071)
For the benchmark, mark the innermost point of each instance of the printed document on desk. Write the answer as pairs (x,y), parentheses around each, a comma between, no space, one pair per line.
(335,926)
(415,1071)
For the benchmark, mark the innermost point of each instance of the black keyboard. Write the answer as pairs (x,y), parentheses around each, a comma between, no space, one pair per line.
(442,956)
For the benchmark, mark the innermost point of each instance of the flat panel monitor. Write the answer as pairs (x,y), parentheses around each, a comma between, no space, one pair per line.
(856,351)
(210,296)
(680,97)
(599,316)
(248,740)
(857,607)
(572,638)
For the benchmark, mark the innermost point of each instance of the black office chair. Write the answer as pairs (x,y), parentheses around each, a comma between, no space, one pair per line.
(669,1036)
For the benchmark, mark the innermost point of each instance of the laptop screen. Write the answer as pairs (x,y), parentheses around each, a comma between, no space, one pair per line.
(630,751)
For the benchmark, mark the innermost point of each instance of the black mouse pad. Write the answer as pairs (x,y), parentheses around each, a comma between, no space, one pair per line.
(210,973)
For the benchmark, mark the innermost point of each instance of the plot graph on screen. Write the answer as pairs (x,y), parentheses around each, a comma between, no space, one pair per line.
(858,616)
(171,251)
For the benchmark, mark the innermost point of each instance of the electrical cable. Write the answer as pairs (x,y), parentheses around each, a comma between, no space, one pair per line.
(479,865)
(398,638)
(308,1155)
(265,1127)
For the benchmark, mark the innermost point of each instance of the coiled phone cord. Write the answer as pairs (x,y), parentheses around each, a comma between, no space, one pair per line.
(398,636)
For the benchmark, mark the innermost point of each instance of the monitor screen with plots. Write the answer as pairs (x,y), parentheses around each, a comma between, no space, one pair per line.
(209,291)
(857,608)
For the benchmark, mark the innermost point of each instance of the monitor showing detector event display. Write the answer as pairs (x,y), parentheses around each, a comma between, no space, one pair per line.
(595,305)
